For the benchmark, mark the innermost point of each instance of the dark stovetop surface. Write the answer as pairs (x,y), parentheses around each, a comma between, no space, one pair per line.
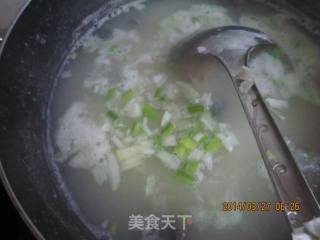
(12,225)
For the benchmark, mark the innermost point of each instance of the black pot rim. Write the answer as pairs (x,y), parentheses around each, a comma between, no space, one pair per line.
(5,181)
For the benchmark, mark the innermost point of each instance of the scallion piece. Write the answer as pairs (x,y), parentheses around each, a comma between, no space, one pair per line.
(149,111)
(187,172)
(159,94)
(195,108)
(136,128)
(111,93)
(213,145)
(191,167)
(188,143)
(203,140)
(157,142)
(127,96)
(183,177)
(180,150)
(167,129)
(112,115)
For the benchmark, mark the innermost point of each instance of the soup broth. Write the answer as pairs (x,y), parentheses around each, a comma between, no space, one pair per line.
(133,137)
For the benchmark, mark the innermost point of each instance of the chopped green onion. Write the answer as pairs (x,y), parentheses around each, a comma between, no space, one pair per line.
(112,115)
(167,129)
(191,167)
(195,108)
(127,96)
(159,94)
(197,127)
(183,177)
(157,142)
(136,128)
(149,111)
(187,172)
(203,140)
(213,145)
(180,150)
(188,143)
(111,93)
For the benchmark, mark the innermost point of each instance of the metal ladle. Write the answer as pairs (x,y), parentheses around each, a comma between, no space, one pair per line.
(233,45)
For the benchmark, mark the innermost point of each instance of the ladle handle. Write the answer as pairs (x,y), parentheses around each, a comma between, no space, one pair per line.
(290,184)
